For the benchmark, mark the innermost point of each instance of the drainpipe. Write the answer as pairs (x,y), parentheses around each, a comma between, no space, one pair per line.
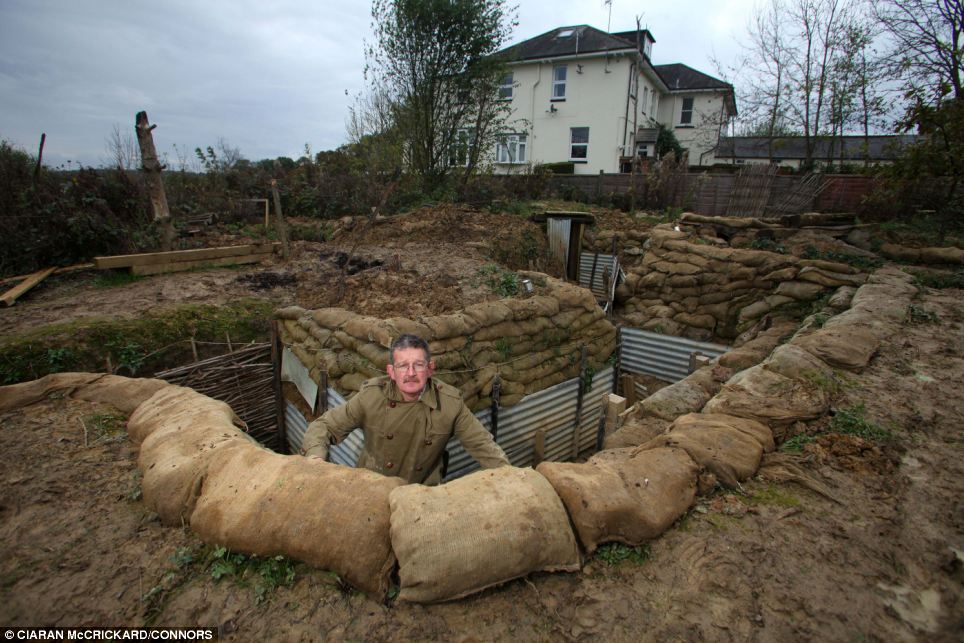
(532,115)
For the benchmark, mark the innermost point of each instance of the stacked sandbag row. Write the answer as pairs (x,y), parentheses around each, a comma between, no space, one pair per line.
(531,343)
(651,416)
(793,384)
(700,290)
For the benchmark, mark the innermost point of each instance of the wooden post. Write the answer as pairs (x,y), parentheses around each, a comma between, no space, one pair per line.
(538,447)
(628,387)
(496,391)
(610,407)
(599,185)
(279,220)
(580,394)
(40,156)
(279,402)
(592,273)
(155,186)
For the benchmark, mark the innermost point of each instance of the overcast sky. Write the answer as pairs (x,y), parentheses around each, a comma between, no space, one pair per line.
(267,76)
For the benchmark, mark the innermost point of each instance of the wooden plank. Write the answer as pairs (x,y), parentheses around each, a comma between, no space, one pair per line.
(11,295)
(58,271)
(153,258)
(179,266)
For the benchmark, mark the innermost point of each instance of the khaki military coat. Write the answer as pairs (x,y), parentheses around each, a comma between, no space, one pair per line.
(405,439)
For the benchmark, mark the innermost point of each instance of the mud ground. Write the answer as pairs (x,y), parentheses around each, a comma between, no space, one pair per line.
(880,562)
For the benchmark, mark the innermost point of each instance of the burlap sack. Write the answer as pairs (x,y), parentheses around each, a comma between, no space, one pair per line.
(729,453)
(182,433)
(481,530)
(790,360)
(770,398)
(123,393)
(635,431)
(329,516)
(844,346)
(710,421)
(673,401)
(624,495)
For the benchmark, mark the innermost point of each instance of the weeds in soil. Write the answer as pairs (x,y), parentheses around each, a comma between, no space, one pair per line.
(831,385)
(615,553)
(853,421)
(501,282)
(796,443)
(115,278)
(939,280)
(920,315)
(767,244)
(857,261)
(270,573)
(104,427)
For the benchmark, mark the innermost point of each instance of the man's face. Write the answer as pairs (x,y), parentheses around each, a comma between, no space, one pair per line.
(410,371)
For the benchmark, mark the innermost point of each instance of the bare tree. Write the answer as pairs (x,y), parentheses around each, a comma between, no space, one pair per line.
(927,53)
(121,148)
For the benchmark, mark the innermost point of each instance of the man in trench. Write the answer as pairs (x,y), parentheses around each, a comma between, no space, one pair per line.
(407,418)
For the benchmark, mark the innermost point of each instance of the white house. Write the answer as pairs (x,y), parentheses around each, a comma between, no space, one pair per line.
(592,98)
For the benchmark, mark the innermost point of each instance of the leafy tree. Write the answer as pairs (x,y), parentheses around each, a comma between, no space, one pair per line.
(667,142)
(434,61)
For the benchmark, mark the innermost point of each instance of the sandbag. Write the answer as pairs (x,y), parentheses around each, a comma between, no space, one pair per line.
(635,431)
(844,345)
(181,431)
(15,396)
(623,495)
(709,421)
(329,516)
(769,397)
(478,531)
(673,401)
(123,393)
(790,360)
(728,453)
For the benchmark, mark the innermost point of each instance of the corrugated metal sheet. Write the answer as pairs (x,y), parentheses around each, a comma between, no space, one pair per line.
(662,356)
(598,285)
(552,410)
(559,230)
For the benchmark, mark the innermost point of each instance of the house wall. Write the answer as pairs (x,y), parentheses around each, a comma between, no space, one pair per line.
(595,98)
(702,135)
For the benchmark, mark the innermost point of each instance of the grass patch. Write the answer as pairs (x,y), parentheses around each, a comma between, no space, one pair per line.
(830,384)
(768,245)
(773,496)
(149,343)
(616,553)
(115,278)
(857,261)
(853,421)
(939,279)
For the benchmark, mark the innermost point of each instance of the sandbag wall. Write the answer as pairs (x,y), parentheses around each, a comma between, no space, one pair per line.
(699,290)
(530,343)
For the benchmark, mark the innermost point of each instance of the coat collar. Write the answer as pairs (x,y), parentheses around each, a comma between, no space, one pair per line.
(430,395)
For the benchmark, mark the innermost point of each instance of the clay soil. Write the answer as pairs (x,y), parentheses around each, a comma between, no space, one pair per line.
(881,561)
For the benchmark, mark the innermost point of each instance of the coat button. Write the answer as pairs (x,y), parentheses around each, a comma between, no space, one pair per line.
(418,468)
(428,442)
(391,404)
(389,465)
(389,436)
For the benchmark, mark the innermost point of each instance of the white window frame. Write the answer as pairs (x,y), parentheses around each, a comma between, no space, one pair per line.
(506,87)
(686,115)
(559,85)
(512,149)
(573,144)
(459,150)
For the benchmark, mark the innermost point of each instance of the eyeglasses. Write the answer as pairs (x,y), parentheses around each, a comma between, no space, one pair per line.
(418,367)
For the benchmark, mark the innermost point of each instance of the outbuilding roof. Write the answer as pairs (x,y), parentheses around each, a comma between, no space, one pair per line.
(855,148)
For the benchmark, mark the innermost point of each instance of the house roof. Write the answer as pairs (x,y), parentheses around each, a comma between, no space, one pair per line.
(552,44)
(631,35)
(679,77)
(878,148)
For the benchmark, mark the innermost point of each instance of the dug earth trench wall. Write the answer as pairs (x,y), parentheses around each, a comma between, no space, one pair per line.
(530,343)
(701,290)
(201,469)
